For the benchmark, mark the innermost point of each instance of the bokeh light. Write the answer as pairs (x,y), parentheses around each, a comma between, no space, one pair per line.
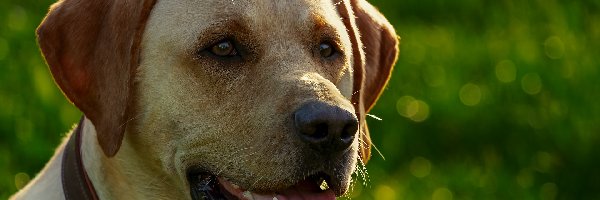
(525,178)
(506,71)
(548,191)
(531,83)
(470,94)
(402,106)
(420,167)
(21,179)
(17,19)
(554,47)
(414,109)
(385,192)
(442,194)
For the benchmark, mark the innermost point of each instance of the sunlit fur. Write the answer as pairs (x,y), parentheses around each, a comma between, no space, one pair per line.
(235,120)
(232,120)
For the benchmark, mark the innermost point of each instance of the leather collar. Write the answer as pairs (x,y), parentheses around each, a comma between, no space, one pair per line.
(75,181)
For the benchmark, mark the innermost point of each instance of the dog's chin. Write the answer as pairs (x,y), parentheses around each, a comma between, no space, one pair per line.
(205,185)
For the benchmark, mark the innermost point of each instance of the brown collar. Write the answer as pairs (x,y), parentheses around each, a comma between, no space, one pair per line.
(75,181)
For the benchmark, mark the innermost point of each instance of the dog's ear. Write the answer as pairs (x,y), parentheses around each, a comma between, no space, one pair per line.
(380,44)
(375,46)
(92,50)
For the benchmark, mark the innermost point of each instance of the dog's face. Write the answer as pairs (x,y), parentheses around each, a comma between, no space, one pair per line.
(228,96)
(219,88)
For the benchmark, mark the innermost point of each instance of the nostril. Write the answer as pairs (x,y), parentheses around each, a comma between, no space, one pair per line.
(321,131)
(349,132)
(314,131)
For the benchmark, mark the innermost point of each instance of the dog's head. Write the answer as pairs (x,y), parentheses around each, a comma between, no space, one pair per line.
(267,95)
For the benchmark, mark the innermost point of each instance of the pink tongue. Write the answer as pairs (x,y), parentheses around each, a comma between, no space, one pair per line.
(301,191)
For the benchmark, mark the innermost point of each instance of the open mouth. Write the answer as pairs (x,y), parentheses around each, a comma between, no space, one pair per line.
(205,186)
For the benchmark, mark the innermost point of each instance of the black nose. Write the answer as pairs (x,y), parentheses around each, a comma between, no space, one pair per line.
(325,127)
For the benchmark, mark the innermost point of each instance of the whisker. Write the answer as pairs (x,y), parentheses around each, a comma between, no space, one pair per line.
(377,150)
(255,182)
(131,119)
(364,173)
(375,117)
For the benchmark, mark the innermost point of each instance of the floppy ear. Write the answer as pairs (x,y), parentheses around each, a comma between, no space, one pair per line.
(92,50)
(375,46)
(381,49)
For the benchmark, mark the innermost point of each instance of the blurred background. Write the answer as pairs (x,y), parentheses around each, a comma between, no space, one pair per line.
(489,100)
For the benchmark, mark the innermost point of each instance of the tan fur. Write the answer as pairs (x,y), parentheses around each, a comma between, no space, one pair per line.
(185,91)
(234,119)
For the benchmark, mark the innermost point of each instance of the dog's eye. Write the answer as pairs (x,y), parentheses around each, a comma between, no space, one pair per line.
(224,48)
(326,50)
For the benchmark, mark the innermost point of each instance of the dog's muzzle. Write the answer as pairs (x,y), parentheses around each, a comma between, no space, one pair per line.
(325,132)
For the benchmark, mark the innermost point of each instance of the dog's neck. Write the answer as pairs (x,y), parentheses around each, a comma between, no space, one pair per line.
(127,175)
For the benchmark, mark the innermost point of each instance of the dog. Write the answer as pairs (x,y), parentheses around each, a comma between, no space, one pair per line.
(213,99)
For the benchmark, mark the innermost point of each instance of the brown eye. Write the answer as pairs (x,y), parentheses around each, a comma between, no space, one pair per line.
(326,50)
(224,49)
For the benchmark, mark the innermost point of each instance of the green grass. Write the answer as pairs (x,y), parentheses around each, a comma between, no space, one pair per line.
(489,100)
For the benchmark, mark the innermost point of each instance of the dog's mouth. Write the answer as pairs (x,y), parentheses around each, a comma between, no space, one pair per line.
(205,186)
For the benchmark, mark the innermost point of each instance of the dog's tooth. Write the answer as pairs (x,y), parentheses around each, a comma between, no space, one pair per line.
(324,185)
(248,195)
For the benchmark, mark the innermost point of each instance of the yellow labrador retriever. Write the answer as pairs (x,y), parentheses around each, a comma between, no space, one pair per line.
(213,99)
